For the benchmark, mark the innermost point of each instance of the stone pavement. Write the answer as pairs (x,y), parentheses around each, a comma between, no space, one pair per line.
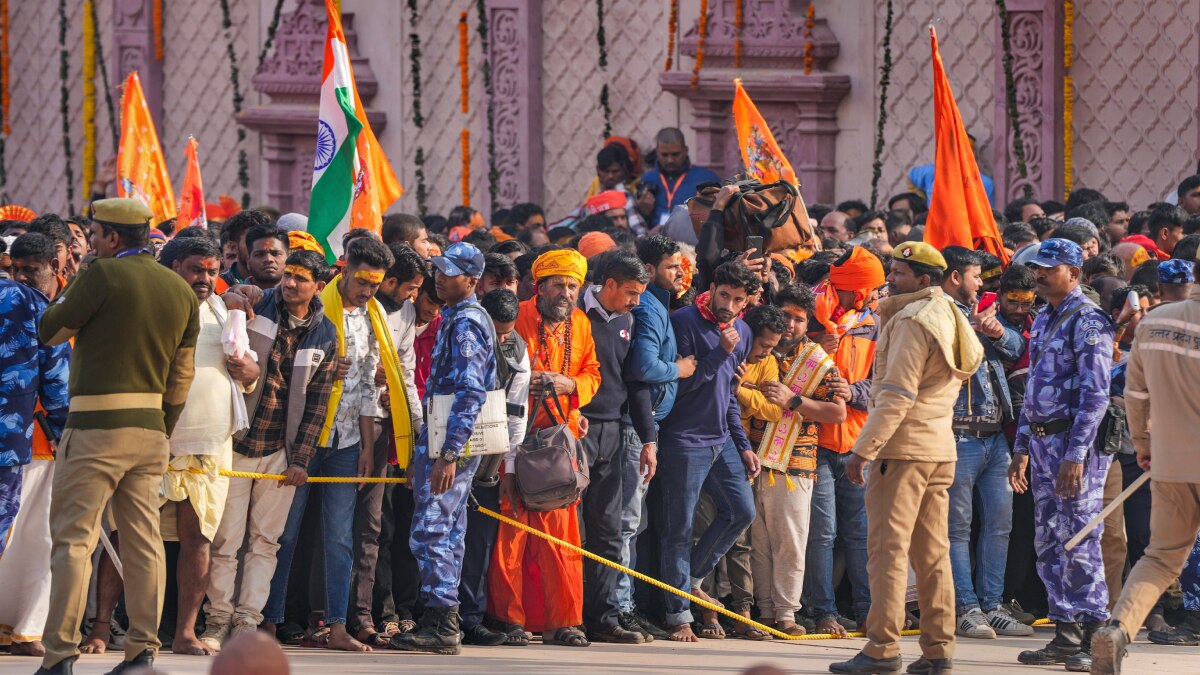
(708,657)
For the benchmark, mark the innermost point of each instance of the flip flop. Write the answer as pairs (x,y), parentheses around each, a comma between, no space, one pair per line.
(567,637)
(709,631)
(751,633)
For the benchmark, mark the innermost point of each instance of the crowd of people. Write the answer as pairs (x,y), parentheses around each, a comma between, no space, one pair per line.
(822,436)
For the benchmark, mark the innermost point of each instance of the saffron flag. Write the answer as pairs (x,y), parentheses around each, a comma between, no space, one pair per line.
(141,168)
(191,197)
(959,212)
(761,154)
(353,182)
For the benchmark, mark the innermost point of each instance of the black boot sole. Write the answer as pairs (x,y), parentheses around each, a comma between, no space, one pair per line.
(1105,657)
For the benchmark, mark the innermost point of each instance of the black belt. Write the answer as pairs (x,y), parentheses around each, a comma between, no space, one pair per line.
(978,430)
(1049,428)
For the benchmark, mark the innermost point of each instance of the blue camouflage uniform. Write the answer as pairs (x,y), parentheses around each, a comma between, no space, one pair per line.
(1189,579)
(463,364)
(30,372)
(1068,380)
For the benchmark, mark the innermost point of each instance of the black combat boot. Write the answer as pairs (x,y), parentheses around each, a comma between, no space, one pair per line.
(143,660)
(438,634)
(1082,662)
(1067,641)
(1108,648)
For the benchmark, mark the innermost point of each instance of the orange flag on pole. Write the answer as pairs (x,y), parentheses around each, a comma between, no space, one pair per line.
(141,168)
(959,212)
(764,160)
(191,197)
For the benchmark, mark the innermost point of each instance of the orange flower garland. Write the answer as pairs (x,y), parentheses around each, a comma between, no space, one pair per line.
(808,43)
(4,97)
(702,34)
(463,76)
(739,20)
(89,96)
(672,26)
(158,30)
(466,167)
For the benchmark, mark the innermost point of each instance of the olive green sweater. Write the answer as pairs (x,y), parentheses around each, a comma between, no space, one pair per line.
(135,324)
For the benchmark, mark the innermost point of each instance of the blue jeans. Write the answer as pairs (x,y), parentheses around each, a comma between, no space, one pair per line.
(337,524)
(683,472)
(633,500)
(980,474)
(839,511)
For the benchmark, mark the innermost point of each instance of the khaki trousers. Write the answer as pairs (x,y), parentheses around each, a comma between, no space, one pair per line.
(780,540)
(908,511)
(1113,546)
(93,467)
(262,507)
(1174,523)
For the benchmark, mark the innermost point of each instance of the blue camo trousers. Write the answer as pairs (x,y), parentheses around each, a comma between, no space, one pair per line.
(1074,579)
(439,529)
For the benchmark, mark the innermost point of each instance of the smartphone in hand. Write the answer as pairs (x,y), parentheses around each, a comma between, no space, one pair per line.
(755,243)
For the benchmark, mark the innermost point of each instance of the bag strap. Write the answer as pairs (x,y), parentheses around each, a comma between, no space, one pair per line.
(487,321)
(1058,323)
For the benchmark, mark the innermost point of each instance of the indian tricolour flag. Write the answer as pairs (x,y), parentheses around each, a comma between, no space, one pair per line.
(336,166)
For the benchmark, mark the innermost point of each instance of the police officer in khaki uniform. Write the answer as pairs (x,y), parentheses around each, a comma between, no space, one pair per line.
(135,325)
(1160,385)
(926,350)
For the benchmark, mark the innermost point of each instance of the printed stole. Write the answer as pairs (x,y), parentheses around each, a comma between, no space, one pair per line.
(807,371)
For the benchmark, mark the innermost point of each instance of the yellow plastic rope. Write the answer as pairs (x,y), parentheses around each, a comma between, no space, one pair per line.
(314,479)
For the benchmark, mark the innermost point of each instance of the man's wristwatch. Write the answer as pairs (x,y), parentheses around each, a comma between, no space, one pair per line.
(795,402)
(448,456)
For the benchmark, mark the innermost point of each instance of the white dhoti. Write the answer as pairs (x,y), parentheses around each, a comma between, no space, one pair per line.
(25,566)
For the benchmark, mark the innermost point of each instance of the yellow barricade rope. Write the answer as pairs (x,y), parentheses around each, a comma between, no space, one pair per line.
(587,554)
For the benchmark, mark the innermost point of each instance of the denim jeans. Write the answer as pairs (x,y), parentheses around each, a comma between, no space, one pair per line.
(337,522)
(683,472)
(633,501)
(839,511)
(980,476)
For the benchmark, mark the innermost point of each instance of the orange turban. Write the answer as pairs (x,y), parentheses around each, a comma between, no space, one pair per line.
(860,274)
(785,261)
(594,243)
(303,241)
(605,201)
(565,262)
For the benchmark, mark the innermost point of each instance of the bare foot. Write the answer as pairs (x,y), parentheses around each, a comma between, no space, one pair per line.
(190,646)
(97,640)
(682,633)
(830,626)
(1157,622)
(34,648)
(341,640)
(699,593)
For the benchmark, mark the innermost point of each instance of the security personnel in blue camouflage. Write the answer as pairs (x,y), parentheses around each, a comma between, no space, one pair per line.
(463,364)
(1071,348)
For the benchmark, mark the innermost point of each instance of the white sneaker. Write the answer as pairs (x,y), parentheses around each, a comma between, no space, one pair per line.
(243,625)
(1006,624)
(974,624)
(215,634)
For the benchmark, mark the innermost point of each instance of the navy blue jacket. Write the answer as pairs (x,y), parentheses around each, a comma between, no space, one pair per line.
(706,411)
(652,356)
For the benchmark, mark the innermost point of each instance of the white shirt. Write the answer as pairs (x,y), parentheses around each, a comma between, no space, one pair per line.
(360,396)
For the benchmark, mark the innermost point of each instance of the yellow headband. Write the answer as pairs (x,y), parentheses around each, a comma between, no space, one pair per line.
(369,277)
(1139,256)
(992,273)
(1020,296)
(299,272)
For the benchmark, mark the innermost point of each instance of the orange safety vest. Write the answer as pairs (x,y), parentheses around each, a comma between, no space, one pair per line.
(854,358)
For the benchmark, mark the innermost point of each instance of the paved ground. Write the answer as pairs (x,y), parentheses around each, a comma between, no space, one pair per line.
(711,656)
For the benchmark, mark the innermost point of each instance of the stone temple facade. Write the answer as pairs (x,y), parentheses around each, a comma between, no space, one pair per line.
(1134,116)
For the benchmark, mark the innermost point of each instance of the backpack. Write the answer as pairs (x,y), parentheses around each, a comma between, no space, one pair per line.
(551,472)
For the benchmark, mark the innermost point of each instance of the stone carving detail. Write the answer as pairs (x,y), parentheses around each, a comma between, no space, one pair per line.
(133,42)
(516,60)
(1027,49)
(772,36)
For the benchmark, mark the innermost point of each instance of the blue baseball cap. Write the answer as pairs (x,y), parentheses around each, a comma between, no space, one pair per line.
(1055,252)
(460,258)
(1176,271)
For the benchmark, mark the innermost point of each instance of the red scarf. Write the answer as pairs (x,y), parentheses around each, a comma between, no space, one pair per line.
(703,302)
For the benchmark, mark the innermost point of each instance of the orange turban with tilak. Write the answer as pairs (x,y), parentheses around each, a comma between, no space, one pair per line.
(860,273)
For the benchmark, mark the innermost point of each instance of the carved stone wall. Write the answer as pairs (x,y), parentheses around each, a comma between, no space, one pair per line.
(1035,28)
(967,40)
(516,66)
(1136,104)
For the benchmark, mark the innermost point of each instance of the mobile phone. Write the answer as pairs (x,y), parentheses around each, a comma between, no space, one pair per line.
(755,243)
(986,300)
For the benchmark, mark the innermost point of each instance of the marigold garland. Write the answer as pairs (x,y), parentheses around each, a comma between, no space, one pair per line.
(157,11)
(739,21)
(466,167)
(809,22)
(702,35)
(463,74)
(1068,95)
(672,27)
(65,102)
(89,96)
